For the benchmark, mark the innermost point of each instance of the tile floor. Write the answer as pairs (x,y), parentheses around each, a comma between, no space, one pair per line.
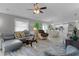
(39,48)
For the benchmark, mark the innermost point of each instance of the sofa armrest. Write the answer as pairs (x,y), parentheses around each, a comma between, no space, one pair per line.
(1,45)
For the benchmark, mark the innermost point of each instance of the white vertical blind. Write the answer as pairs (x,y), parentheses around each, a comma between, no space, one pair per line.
(21,25)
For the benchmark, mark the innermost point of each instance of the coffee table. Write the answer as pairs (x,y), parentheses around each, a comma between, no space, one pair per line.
(28,40)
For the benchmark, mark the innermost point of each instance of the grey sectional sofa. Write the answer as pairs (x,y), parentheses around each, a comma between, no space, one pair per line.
(9,42)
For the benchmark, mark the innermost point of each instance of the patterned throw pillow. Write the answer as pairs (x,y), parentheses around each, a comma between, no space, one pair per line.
(22,34)
(17,35)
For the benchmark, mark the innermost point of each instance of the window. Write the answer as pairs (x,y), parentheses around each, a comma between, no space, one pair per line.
(21,25)
(44,27)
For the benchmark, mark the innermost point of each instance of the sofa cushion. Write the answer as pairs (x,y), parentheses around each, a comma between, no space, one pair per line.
(27,33)
(12,45)
(8,36)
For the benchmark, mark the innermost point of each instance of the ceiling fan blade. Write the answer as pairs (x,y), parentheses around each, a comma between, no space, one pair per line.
(43,8)
(41,12)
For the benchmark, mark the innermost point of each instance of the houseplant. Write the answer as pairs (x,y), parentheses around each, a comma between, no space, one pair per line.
(37,25)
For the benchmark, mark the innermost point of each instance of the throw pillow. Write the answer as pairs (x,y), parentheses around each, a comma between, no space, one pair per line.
(22,34)
(17,35)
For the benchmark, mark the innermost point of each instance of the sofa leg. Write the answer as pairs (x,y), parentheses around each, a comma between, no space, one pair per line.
(31,44)
(35,41)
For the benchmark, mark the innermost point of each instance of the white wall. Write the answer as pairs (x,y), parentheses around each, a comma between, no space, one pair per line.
(6,23)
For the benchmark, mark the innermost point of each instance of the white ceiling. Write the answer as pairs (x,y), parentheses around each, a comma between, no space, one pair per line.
(55,12)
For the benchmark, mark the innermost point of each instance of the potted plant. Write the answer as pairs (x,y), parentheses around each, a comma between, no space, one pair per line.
(37,25)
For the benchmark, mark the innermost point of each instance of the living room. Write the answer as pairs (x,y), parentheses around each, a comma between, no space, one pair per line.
(49,28)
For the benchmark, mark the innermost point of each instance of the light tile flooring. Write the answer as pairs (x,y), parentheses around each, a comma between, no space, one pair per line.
(1,53)
(38,49)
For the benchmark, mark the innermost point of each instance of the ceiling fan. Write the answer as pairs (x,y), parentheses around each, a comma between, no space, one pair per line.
(37,9)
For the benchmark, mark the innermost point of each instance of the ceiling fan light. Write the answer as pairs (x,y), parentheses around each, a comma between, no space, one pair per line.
(36,11)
